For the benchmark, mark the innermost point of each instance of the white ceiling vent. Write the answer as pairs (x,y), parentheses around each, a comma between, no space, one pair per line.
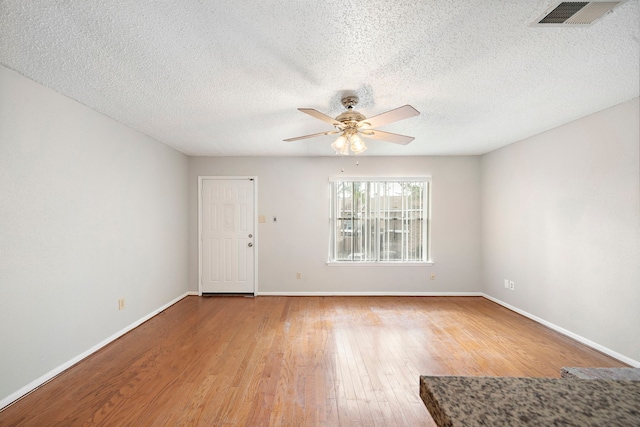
(575,13)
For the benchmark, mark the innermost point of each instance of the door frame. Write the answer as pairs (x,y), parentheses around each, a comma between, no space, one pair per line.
(255,225)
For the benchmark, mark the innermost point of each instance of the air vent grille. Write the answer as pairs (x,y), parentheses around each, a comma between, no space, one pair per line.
(563,12)
(576,13)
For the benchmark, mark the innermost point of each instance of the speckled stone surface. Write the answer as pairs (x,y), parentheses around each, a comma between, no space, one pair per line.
(504,401)
(621,374)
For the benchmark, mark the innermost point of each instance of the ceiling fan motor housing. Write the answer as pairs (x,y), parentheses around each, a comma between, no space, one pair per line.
(350,116)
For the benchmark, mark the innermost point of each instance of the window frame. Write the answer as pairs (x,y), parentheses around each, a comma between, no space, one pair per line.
(333,217)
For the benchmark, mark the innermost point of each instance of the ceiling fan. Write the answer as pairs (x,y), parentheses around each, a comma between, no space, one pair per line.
(351,125)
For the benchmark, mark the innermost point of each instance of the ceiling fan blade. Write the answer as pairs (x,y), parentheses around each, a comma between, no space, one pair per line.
(390,116)
(387,136)
(318,115)
(313,135)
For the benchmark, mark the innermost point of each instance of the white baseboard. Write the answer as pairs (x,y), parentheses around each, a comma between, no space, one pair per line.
(372,294)
(581,339)
(13,397)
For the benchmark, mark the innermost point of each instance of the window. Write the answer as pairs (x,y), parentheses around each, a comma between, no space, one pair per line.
(379,220)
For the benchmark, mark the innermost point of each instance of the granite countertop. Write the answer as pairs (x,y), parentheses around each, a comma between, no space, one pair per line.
(505,401)
(622,374)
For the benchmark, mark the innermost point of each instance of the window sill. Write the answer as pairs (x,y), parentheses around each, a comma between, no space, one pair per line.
(379,264)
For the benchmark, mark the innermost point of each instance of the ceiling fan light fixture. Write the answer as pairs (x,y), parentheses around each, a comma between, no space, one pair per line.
(341,145)
(357,144)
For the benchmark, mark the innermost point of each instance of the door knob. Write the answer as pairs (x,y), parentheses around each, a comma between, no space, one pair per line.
(250,245)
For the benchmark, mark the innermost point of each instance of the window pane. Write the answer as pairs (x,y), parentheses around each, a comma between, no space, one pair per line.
(379,221)
(391,219)
(344,220)
(414,220)
(357,235)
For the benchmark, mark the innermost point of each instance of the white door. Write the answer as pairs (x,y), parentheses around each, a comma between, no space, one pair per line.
(227,236)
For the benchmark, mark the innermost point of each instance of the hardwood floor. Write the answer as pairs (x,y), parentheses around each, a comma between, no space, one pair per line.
(295,361)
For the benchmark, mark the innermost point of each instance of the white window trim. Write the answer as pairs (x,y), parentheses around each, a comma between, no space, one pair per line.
(428,262)
(380,264)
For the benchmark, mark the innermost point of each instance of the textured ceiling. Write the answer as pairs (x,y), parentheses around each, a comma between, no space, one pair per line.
(225,77)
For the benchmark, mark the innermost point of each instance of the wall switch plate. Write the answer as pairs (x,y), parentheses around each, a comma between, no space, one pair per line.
(433,276)
(121,304)
(262,219)
(275,219)
(506,283)
(512,285)
(298,275)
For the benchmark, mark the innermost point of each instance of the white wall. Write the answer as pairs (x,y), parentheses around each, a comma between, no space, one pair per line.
(561,218)
(295,189)
(90,212)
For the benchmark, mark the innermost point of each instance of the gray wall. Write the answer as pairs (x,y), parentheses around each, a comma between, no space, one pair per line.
(561,218)
(90,212)
(296,190)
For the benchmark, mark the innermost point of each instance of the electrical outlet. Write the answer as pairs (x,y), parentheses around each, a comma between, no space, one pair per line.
(433,276)
(512,285)
(506,283)
(121,304)
(298,275)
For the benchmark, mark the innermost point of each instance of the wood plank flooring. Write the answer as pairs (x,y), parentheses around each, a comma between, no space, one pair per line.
(295,361)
